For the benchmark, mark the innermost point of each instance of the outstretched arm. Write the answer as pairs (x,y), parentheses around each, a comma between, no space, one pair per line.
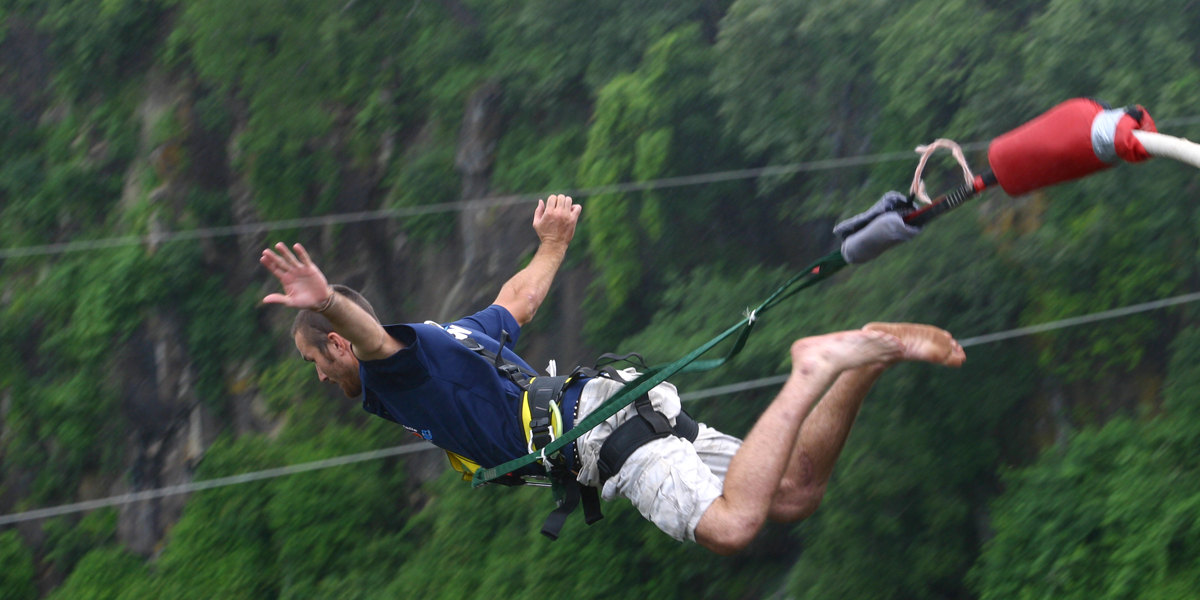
(306,288)
(554,221)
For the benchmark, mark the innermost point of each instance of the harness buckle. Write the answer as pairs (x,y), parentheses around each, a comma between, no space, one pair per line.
(538,432)
(510,370)
(555,465)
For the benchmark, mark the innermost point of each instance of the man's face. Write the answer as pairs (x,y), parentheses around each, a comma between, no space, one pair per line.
(336,365)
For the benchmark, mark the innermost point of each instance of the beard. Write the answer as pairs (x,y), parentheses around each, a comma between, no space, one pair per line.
(350,383)
(352,389)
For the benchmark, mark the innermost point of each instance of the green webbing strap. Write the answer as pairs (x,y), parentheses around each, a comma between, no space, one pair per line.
(812,274)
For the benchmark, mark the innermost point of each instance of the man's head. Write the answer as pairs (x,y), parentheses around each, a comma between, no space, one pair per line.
(332,354)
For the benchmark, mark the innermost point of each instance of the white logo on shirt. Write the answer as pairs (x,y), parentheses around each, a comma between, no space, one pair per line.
(459,333)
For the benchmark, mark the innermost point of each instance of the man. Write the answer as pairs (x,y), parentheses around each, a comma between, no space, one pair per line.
(715,490)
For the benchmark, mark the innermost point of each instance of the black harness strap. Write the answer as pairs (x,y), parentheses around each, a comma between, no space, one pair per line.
(591,503)
(542,391)
(514,372)
(612,358)
(573,494)
(649,425)
(658,421)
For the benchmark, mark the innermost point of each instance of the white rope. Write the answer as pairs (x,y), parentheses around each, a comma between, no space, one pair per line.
(1073,321)
(507,200)
(1165,146)
(461,205)
(196,486)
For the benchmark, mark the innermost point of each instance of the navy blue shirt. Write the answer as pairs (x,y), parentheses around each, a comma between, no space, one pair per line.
(442,391)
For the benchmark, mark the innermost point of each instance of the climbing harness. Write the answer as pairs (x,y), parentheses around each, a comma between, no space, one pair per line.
(542,421)
(540,410)
(541,416)
(647,425)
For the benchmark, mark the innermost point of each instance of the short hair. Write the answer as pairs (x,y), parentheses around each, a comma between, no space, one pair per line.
(316,328)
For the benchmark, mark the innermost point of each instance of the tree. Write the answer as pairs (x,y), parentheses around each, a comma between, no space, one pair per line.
(18,575)
(1115,514)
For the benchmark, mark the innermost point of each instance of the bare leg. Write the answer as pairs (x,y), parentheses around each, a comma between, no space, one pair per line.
(824,432)
(820,443)
(757,469)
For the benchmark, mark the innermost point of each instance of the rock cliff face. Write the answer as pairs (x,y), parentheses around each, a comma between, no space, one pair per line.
(169,427)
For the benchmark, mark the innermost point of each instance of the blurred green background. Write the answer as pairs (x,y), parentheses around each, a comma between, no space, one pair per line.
(1062,465)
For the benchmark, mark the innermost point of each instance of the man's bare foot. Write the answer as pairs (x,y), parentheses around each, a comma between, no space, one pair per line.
(845,350)
(924,343)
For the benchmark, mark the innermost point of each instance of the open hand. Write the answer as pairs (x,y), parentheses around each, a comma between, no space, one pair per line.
(304,285)
(555,218)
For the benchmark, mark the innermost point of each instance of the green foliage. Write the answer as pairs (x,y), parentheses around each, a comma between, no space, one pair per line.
(293,178)
(99,48)
(18,174)
(1125,218)
(495,533)
(925,83)
(425,180)
(794,76)
(549,48)
(69,540)
(222,545)
(221,329)
(529,157)
(335,522)
(292,537)
(66,408)
(1113,515)
(272,51)
(263,50)
(305,68)
(1072,51)
(64,178)
(104,574)
(61,424)
(284,382)
(1183,386)
(648,124)
(17,576)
